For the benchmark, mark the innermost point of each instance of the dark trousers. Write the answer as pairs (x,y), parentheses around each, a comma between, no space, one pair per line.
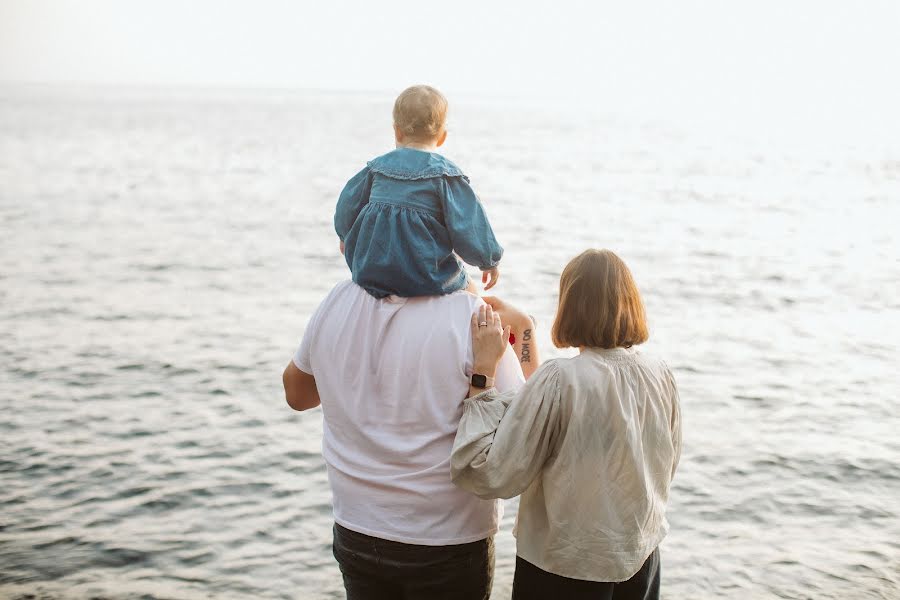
(532,583)
(376,569)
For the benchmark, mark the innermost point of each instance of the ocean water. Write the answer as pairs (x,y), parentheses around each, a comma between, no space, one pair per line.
(162,250)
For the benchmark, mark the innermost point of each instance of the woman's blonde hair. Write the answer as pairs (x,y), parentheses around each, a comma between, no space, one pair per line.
(599,304)
(420,112)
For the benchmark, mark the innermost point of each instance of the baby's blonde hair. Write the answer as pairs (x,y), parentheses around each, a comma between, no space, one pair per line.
(420,112)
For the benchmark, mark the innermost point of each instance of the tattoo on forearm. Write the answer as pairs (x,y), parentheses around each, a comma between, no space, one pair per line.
(526,346)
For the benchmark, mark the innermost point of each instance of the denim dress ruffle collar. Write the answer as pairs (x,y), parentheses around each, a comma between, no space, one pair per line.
(411,164)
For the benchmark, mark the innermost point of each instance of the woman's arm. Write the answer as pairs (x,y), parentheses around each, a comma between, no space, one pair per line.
(675,425)
(488,344)
(503,440)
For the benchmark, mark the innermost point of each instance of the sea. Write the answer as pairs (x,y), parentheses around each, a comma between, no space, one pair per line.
(162,249)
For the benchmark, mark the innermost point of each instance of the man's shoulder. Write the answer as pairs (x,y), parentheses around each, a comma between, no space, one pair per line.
(344,287)
(341,289)
(449,312)
(460,301)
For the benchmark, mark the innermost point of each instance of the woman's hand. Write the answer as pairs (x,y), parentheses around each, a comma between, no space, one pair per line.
(489,341)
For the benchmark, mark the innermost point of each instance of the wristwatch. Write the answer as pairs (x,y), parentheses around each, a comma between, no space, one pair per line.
(482,381)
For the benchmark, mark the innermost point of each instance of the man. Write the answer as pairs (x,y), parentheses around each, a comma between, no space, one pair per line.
(383,370)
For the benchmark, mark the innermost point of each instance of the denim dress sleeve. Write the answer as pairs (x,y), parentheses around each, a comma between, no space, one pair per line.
(470,232)
(352,199)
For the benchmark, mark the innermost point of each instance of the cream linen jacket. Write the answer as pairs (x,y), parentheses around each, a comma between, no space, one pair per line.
(591,443)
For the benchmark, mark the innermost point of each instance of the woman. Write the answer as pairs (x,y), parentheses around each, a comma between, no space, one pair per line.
(591,442)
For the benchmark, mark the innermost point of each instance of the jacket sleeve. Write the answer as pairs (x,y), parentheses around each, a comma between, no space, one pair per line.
(675,424)
(504,439)
(352,199)
(470,232)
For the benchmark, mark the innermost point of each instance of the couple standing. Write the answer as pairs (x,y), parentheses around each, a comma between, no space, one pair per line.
(430,415)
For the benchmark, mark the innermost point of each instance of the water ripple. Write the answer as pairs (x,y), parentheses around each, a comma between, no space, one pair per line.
(156,277)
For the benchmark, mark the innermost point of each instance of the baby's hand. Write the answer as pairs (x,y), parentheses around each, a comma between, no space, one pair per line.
(342,246)
(489,277)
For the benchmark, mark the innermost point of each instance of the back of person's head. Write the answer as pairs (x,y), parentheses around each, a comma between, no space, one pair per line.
(599,304)
(420,112)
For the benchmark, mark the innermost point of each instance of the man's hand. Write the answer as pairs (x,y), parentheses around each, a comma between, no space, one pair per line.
(490,276)
(510,315)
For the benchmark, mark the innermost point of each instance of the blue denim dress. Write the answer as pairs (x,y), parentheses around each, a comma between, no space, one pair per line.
(405,218)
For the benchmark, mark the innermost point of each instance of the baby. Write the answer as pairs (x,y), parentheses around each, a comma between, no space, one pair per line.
(405,218)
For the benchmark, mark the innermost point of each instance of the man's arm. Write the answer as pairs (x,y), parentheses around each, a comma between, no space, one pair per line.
(522,328)
(300,388)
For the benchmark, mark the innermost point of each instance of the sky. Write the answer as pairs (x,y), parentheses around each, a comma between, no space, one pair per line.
(762,61)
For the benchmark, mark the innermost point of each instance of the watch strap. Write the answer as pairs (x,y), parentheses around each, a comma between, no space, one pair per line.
(481,381)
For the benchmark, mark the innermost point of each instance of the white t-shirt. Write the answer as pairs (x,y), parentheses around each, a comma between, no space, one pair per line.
(392,375)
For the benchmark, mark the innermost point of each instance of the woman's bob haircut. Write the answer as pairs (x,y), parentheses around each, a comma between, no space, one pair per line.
(599,304)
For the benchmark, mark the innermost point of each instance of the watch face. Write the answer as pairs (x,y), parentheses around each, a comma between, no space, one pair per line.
(479,381)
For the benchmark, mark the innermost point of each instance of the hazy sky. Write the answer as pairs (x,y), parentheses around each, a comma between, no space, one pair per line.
(758,58)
